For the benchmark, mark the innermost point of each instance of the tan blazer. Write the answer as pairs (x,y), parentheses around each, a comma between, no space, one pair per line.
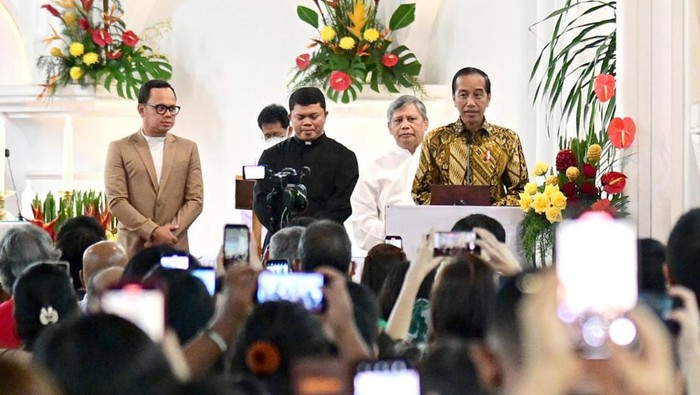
(139,202)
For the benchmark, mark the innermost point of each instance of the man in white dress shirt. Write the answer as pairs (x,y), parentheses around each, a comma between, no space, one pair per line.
(388,179)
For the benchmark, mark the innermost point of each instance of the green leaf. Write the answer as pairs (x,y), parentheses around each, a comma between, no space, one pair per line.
(308,15)
(403,16)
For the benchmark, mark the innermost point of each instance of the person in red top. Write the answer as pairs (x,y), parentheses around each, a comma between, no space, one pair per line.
(19,248)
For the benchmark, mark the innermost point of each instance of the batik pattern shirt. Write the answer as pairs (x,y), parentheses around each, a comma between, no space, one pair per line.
(492,156)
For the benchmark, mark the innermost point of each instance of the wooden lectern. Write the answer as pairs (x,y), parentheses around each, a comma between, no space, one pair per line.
(412,222)
(244,201)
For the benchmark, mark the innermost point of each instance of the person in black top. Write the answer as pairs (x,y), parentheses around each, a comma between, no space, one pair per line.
(333,167)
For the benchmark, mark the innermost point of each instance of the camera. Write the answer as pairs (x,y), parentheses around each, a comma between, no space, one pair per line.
(287,199)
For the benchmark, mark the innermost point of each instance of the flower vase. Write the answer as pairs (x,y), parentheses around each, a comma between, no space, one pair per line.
(544,248)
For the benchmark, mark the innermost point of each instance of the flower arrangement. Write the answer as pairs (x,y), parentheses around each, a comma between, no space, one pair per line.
(90,203)
(582,179)
(355,48)
(95,47)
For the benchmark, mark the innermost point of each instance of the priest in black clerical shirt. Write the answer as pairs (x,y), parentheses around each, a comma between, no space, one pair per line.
(333,167)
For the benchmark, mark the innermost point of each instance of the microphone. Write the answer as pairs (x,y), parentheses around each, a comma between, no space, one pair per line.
(12,178)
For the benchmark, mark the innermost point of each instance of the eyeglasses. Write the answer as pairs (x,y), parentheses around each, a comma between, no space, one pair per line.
(162,108)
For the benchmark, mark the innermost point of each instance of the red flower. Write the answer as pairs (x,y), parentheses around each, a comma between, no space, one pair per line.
(116,54)
(604,205)
(390,60)
(340,81)
(569,189)
(565,159)
(622,132)
(303,61)
(87,5)
(589,171)
(52,10)
(613,182)
(589,189)
(130,38)
(101,37)
(84,24)
(604,87)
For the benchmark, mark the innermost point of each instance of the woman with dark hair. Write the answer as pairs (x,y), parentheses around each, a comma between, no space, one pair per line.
(43,296)
(380,260)
(147,259)
(462,299)
(276,334)
(104,354)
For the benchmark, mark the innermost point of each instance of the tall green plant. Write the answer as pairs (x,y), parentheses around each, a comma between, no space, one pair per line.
(577,52)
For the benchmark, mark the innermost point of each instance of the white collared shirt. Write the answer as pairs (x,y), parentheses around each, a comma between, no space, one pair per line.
(386,181)
(156,145)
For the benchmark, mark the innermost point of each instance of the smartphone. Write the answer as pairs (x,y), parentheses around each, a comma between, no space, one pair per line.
(662,305)
(596,263)
(254,172)
(140,304)
(278,266)
(386,377)
(304,288)
(236,243)
(208,276)
(454,243)
(181,262)
(320,376)
(396,241)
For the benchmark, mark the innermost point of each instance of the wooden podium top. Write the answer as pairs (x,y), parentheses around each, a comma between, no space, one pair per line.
(244,193)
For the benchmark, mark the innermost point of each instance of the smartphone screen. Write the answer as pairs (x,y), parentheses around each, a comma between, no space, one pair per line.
(208,276)
(145,307)
(236,243)
(386,377)
(181,262)
(320,376)
(596,262)
(453,243)
(254,172)
(394,240)
(278,266)
(304,288)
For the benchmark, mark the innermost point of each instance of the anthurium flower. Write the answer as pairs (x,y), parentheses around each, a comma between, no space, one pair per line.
(604,87)
(303,61)
(52,10)
(130,38)
(327,33)
(76,72)
(589,171)
(371,35)
(622,132)
(90,58)
(101,37)
(84,24)
(76,49)
(613,182)
(116,54)
(347,43)
(390,60)
(340,81)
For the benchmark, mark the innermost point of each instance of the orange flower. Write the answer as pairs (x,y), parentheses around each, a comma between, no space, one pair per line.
(263,358)
(604,87)
(622,132)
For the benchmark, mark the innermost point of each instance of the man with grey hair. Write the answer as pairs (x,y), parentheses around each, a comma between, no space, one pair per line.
(19,248)
(388,179)
(285,244)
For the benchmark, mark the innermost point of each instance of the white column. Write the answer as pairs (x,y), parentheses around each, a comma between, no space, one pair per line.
(3,135)
(67,174)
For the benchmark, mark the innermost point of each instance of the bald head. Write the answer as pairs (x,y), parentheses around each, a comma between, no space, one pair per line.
(102,255)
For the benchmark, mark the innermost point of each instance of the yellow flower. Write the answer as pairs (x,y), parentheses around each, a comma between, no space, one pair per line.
(593,154)
(76,72)
(371,35)
(90,58)
(530,188)
(549,190)
(347,43)
(553,180)
(553,214)
(540,202)
(77,49)
(572,173)
(69,18)
(541,168)
(525,201)
(558,200)
(327,33)
(56,51)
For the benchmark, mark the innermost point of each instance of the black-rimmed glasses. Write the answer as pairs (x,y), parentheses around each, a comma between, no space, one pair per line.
(162,108)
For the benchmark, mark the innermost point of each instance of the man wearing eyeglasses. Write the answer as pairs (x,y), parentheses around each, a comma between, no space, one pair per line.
(153,179)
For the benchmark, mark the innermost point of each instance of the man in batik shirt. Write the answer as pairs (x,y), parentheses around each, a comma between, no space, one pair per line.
(472,151)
